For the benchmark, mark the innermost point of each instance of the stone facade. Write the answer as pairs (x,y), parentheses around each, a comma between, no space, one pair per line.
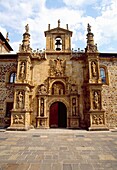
(58,87)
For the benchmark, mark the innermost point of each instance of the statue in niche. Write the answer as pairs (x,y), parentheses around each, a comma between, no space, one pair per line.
(42,107)
(22,70)
(94,69)
(58,89)
(74,106)
(20,100)
(96,100)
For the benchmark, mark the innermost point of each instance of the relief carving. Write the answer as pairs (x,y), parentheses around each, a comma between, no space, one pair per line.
(42,89)
(91,48)
(58,89)
(18,119)
(57,67)
(97,119)
(73,88)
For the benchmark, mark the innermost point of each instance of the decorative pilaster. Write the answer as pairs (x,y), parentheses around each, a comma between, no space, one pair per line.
(93,111)
(20,114)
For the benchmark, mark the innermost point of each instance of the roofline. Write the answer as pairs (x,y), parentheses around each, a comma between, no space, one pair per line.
(6,43)
(58,29)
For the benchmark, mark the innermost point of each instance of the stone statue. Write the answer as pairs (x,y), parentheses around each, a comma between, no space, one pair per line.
(42,108)
(27,28)
(94,69)
(89,28)
(20,100)
(59,23)
(96,100)
(22,70)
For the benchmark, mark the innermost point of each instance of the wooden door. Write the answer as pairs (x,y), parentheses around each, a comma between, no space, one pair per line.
(54,115)
(9,107)
(62,115)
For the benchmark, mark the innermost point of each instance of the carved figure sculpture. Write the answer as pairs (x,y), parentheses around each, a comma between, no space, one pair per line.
(42,107)
(94,69)
(22,70)
(20,100)
(96,100)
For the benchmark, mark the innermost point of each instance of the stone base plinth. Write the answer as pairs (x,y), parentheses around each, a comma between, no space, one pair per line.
(41,122)
(98,128)
(73,122)
(15,128)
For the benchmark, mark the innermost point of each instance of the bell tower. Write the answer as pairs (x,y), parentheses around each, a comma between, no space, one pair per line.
(58,39)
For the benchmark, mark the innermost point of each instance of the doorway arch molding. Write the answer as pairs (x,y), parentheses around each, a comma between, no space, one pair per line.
(64,101)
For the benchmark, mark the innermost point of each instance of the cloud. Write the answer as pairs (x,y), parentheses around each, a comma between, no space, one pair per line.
(15,14)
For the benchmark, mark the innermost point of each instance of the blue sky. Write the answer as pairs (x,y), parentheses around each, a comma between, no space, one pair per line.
(100,14)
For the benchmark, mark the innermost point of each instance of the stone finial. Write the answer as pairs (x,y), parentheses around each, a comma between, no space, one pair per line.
(27,28)
(48,26)
(67,26)
(59,23)
(7,38)
(89,28)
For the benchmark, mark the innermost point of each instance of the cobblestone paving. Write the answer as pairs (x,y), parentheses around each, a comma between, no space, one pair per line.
(58,149)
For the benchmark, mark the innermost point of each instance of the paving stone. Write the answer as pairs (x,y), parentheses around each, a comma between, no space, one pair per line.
(34,166)
(58,150)
(67,167)
(57,166)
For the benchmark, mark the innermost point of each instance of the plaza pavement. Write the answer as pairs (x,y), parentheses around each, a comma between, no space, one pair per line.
(58,149)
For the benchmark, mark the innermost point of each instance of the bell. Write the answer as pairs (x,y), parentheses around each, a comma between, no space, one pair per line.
(58,44)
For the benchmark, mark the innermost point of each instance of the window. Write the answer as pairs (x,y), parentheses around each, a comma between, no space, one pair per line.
(12,77)
(104,75)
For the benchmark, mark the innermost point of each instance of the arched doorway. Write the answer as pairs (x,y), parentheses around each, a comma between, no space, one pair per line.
(58,115)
